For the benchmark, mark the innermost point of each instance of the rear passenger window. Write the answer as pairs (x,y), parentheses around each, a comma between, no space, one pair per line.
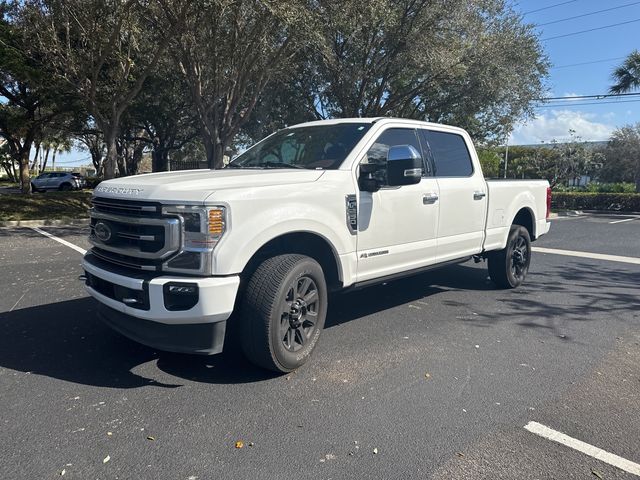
(450,154)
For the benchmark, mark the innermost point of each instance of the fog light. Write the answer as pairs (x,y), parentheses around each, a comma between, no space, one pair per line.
(180,296)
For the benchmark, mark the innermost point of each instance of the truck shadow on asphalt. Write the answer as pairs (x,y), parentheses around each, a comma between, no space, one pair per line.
(65,340)
(574,292)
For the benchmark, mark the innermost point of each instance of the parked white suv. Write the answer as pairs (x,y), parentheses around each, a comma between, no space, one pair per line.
(316,207)
(58,181)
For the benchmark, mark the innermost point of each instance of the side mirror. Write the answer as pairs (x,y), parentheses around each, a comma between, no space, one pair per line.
(404,166)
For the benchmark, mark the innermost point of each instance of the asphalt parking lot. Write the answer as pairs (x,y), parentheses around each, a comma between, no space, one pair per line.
(429,377)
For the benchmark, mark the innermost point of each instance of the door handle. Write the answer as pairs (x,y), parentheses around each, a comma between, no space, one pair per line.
(429,198)
(479,195)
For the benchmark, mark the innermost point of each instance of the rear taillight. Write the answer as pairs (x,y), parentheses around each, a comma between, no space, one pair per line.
(548,202)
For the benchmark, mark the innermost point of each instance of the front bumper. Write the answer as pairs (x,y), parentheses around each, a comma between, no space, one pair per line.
(198,329)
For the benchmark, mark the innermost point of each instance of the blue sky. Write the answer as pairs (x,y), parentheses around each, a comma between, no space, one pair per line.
(607,46)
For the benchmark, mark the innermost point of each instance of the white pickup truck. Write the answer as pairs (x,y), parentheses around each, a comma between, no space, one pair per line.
(180,258)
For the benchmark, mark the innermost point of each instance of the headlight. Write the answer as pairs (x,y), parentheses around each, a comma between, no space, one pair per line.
(202,229)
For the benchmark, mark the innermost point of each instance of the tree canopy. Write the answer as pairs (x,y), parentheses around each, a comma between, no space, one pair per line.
(178,77)
(627,75)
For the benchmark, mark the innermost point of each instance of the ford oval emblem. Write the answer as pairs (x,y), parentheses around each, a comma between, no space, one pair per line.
(102,231)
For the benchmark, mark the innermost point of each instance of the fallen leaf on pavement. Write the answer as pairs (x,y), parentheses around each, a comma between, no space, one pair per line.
(460,454)
(375,451)
(239,444)
(596,473)
(427,375)
(106,459)
(151,438)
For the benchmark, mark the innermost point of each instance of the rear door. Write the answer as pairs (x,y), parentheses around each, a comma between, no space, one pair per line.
(463,195)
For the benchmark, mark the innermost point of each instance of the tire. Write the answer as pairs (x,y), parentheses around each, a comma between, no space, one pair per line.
(34,189)
(508,267)
(66,187)
(283,312)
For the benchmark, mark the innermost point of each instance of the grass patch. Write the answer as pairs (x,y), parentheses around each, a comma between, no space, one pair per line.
(7,183)
(45,206)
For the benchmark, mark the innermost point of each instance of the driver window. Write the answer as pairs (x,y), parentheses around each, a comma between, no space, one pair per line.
(392,137)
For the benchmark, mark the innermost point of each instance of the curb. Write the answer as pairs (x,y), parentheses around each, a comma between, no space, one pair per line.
(607,213)
(44,223)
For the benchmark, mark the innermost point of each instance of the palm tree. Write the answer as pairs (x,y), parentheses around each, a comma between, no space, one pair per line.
(627,75)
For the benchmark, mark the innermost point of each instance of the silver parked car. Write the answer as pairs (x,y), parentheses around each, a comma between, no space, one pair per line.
(58,181)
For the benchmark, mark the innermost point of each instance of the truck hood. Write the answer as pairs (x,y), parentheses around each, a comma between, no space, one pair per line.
(196,185)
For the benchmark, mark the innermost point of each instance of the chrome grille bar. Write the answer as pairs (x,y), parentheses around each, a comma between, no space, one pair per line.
(171,228)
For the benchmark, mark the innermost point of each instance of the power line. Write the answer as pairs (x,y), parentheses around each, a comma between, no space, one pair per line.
(550,6)
(587,63)
(591,30)
(598,96)
(571,104)
(588,14)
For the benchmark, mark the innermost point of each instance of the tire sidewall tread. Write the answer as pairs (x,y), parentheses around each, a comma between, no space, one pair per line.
(499,261)
(258,329)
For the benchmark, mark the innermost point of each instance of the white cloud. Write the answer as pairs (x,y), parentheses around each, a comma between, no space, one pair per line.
(556,125)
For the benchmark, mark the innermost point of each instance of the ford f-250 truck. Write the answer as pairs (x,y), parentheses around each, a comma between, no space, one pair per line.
(313,208)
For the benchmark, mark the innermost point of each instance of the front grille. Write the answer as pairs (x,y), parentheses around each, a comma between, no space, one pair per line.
(125,261)
(133,234)
(126,207)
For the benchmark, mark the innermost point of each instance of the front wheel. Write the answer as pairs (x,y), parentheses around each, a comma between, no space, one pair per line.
(508,267)
(283,312)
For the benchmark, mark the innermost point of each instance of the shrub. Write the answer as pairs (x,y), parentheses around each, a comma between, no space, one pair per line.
(619,202)
(92,182)
(621,187)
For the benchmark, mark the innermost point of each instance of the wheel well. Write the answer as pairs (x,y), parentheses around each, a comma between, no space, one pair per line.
(304,243)
(525,218)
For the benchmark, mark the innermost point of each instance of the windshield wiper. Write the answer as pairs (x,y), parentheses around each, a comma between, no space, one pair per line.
(234,165)
(277,165)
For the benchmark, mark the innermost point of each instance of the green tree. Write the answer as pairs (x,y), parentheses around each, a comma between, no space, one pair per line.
(104,50)
(468,63)
(627,75)
(228,53)
(622,156)
(29,101)
(490,161)
(164,113)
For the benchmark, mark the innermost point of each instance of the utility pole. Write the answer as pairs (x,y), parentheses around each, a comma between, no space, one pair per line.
(506,158)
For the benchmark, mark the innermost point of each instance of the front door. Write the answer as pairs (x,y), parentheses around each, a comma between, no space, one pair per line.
(397,226)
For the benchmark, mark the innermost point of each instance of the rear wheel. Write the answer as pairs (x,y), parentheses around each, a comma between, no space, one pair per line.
(33,188)
(65,187)
(508,267)
(283,312)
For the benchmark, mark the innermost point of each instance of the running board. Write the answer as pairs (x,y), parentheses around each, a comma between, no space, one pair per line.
(408,273)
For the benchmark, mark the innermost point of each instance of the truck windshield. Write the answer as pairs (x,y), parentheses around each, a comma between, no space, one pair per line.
(314,147)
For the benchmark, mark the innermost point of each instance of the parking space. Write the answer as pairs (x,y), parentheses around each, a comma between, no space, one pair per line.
(429,377)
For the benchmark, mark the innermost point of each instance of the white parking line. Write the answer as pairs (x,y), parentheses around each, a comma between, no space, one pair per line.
(59,240)
(595,256)
(622,221)
(595,452)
